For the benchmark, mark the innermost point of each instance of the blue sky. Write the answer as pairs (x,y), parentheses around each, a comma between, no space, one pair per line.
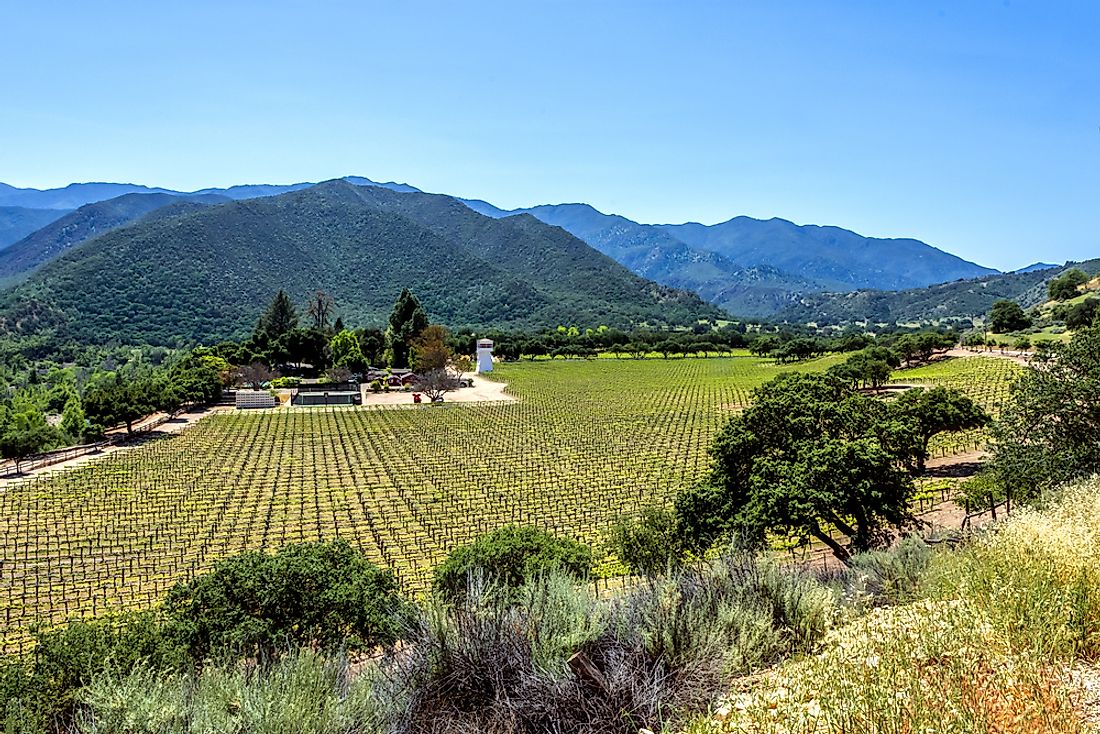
(974,126)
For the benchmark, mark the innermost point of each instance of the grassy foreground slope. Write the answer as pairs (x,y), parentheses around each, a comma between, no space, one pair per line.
(997,639)
(585,443)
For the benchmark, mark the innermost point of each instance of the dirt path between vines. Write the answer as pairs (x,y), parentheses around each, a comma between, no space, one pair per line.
(1012,356)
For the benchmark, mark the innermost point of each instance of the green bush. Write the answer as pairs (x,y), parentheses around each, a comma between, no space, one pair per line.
(41,690)
(649,544)
(510,557)
(325,594)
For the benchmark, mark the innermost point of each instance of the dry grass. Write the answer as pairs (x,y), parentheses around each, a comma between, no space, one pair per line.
(989,649)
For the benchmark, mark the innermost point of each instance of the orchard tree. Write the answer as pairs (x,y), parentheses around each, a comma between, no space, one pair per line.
(407,320)
(811,455)
(936,411)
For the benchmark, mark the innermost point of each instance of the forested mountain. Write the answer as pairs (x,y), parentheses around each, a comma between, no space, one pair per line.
(960,299)
(657,255)
(747,266)
(16,222)
(203,275)
(86,222)
(835,257)
(752,267)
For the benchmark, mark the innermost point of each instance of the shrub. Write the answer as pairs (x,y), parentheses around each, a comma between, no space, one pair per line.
(725,619)
(649,544)
(42,689)
(304,693)
(892,576)
(327,594)
(510,557)
(925,667)
(493,662)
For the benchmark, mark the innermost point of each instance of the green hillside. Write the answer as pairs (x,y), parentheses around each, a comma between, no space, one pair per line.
(958,299)
(16,222)
(88,221)
(202,276)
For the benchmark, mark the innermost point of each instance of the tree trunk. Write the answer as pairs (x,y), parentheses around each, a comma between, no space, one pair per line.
(838,550)
(841,525)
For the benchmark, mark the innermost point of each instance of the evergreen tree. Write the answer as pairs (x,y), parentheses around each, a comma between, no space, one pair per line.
(275,322)
(406,322)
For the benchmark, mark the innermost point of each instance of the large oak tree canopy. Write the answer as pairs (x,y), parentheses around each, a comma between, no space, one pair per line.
(810,456)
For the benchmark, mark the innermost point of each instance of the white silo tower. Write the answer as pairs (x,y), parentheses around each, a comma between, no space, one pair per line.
(484,355)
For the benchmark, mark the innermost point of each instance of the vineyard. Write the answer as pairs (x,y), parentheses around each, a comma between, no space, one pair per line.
(585,443)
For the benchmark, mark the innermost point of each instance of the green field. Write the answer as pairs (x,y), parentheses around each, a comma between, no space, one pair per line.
(586,442)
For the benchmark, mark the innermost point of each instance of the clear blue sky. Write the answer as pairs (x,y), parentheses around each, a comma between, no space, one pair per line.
(974,126)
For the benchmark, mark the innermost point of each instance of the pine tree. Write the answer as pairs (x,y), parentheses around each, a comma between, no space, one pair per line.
(406,322)
(279,318)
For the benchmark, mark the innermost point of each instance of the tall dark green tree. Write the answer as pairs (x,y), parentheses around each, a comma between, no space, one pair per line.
(407,320)
(277,320)
(1006,316)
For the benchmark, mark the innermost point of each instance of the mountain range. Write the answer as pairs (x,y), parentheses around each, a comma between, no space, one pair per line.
(85,237)
(754,267)
(748,267)
(201,269)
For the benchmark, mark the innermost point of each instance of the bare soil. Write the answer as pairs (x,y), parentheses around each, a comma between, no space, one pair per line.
(482,391)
